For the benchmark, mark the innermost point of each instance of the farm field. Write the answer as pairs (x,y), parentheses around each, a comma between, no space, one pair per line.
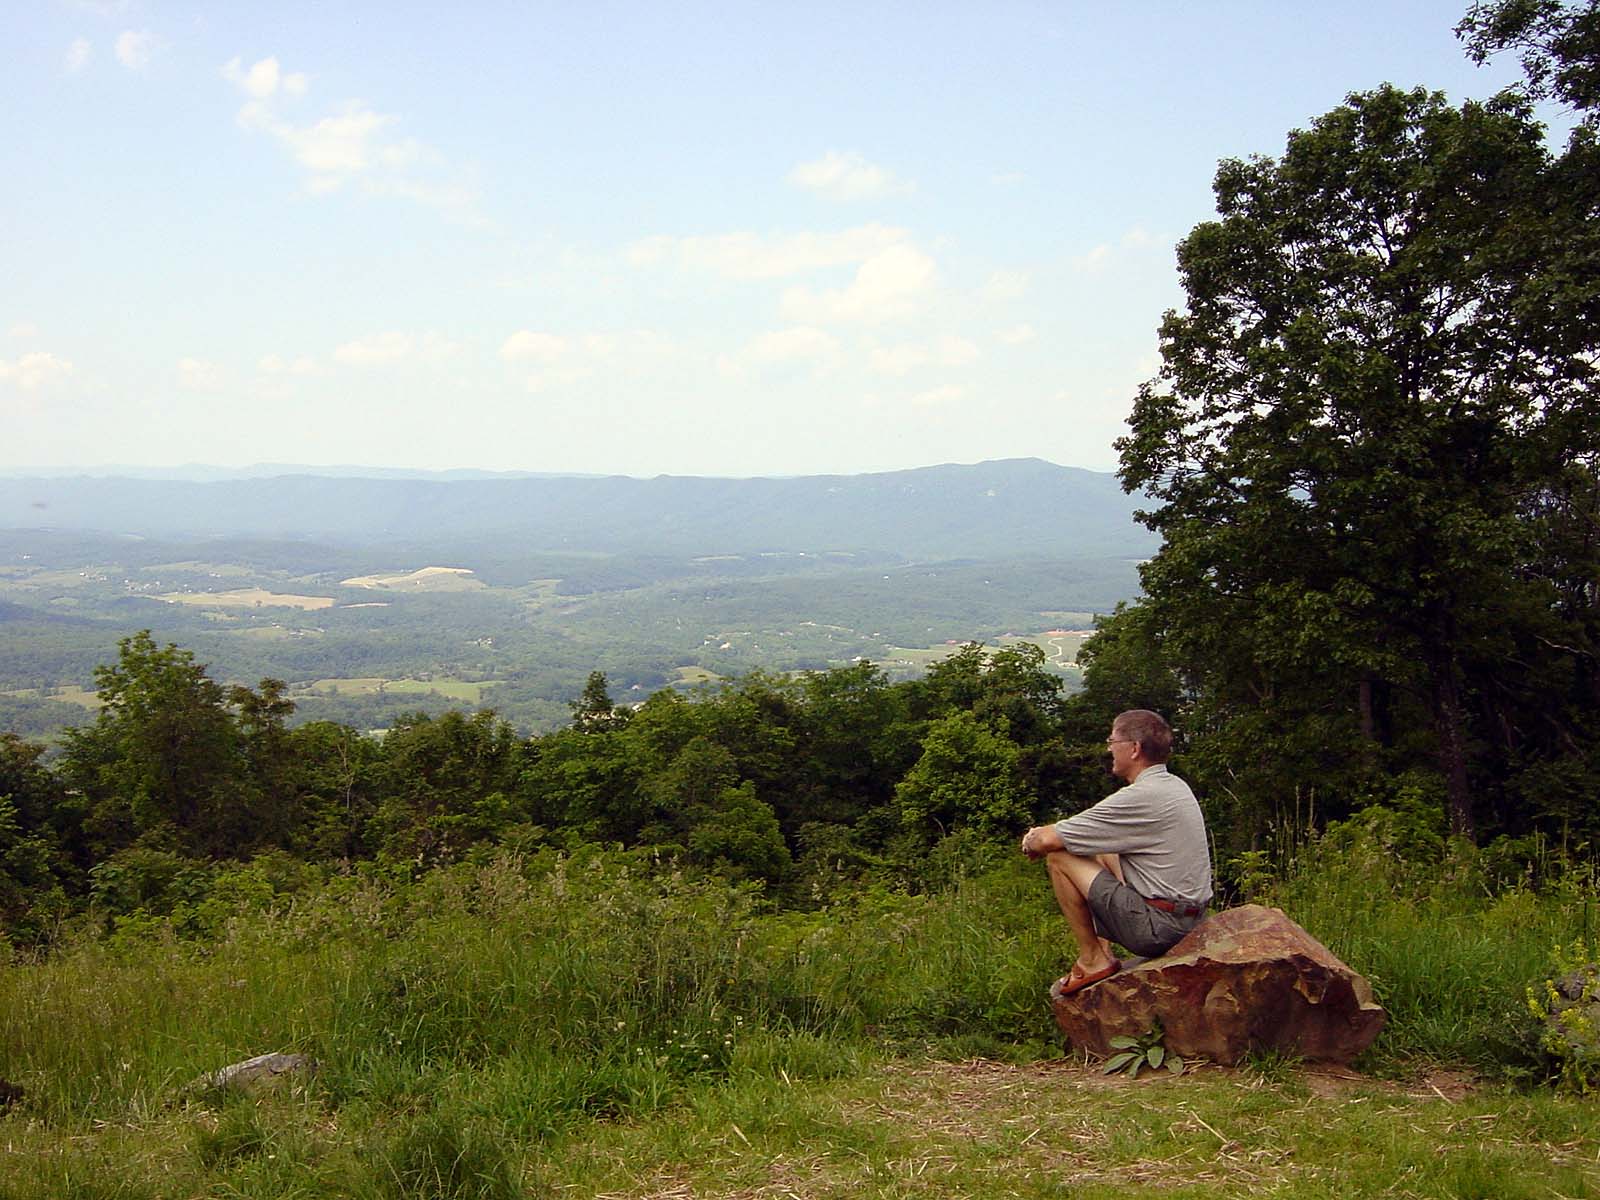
(454,689)
(248,598)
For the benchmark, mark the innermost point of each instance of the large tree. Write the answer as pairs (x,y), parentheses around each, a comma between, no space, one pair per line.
(1375,406)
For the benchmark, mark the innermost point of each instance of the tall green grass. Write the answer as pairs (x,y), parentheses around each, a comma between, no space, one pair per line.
(468,1023)
(1449,954)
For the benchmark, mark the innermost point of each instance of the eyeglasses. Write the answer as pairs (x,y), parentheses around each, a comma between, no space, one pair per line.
(1114,741)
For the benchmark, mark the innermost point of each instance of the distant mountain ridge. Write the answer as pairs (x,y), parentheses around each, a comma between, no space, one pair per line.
(1004,508)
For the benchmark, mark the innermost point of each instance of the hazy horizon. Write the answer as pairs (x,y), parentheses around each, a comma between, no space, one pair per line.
(200,471)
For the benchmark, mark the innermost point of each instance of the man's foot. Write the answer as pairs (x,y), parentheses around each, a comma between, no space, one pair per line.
(1078,979)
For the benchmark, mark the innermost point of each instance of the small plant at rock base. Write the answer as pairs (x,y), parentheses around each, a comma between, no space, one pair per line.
(1136,1053)
(1567,1009)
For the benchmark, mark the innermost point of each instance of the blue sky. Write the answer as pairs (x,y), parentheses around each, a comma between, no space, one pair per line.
(717,239)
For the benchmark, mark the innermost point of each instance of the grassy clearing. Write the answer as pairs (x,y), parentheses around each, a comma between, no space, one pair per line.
(891,1129)
(588,1025)
(982,1128)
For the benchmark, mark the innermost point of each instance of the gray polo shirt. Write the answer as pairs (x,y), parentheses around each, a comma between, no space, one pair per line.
(1155,825)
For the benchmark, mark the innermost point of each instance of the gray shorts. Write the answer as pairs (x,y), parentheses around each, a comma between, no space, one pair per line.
(1121,914)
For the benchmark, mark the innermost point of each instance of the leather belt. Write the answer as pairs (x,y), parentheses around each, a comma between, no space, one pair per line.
(1167,906)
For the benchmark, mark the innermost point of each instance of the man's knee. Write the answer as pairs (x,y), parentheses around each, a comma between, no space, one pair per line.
(1073,868)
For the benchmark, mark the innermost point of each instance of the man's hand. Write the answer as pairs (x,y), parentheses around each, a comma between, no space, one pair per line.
(1040,840)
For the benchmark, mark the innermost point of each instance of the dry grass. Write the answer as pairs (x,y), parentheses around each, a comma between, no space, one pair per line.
(1063,1128)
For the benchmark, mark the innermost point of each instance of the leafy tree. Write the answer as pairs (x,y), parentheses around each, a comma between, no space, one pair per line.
(163,750)
(594,711)
(855,740)
(967,777)
(337,777)
(266,809)
(1359,415)
(34,868)
(1558,44)
(738,836)
(447,783)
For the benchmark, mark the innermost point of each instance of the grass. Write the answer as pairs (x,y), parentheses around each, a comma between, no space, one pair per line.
(588,1025)
(1450,961)
(892,1129)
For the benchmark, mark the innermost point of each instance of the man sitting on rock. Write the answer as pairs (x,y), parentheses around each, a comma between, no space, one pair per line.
(1135,868)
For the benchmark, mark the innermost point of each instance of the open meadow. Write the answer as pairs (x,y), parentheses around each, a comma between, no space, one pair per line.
(593,1024)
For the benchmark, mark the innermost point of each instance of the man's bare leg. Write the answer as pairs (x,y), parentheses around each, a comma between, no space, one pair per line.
(1071,876)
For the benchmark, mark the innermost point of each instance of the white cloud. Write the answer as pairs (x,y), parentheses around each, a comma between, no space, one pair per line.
(35,371)
(273,364)
(263,79)
(767,256)
(335,146)
(903,359)
(803,345)
(376,350)
(1004,286)
(846,177)
(24,330)
(78,55)
(890,284)
(1094,259)
(531,345)
(393,347)
(1097,257)
(197,375)
(632,345)
(939,397)
(136,47)
(564,359)
(1019,336)
(354,143)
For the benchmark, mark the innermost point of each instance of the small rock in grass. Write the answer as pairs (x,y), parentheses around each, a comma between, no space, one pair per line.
(259,1073)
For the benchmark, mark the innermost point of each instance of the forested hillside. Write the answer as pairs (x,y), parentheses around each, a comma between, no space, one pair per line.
(994,509)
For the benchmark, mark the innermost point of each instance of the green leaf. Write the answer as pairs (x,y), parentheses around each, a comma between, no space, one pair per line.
(1124,1042)
(1157,1053)
(1133,1071)
(1116,1062)
(1175,1064)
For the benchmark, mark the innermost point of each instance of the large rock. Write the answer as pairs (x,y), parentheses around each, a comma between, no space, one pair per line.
(1245,979)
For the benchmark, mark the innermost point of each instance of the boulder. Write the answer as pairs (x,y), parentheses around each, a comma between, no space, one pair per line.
(1245,979)
(259,1073)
